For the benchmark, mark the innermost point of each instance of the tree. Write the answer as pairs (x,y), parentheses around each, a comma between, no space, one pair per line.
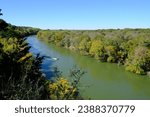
(85,44)
(0,12)
(3,25)
(139,60)
(20,76)
(63,89)
(97,49)
(111,52)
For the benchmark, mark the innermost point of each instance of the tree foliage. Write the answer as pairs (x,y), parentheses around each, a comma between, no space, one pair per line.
(111,45)
(0,12)
(20,72)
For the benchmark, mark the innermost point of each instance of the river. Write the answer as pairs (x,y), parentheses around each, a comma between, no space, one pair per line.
(101,81)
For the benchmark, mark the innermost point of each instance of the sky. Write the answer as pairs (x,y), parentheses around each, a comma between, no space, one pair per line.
(77,14)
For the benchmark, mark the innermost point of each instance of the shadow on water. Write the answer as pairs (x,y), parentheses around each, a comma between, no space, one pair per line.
(46,67)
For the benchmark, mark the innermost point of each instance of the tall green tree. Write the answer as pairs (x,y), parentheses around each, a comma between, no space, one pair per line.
(97,49)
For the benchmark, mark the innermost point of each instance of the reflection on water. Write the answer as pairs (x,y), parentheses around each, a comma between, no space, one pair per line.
(102,80)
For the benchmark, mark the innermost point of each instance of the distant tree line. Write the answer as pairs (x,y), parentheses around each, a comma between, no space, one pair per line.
(128,47)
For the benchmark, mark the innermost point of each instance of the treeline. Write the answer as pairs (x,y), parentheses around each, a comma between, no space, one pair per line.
(8,30)
(129,47)
(20,75)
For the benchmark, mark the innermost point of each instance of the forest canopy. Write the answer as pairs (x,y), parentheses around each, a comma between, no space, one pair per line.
(129,47)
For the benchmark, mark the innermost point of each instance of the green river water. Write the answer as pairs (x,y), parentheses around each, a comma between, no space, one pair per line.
(101,81)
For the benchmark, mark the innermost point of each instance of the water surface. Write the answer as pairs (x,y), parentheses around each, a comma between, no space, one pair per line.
(102,80)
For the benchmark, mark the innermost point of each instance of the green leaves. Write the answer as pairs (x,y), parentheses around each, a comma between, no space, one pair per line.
(3,25)
(20,76)
(96,49)
(138,60)
(85,44)
(63,89)
(130,47)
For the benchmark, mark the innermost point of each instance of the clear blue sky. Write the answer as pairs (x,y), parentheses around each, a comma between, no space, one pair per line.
(77,14)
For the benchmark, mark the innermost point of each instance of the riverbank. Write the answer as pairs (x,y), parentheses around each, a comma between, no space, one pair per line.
(101,81)
(129,47)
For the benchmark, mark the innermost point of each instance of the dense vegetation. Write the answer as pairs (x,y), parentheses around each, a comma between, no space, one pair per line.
(8,30)
(129,47)
(20,75)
